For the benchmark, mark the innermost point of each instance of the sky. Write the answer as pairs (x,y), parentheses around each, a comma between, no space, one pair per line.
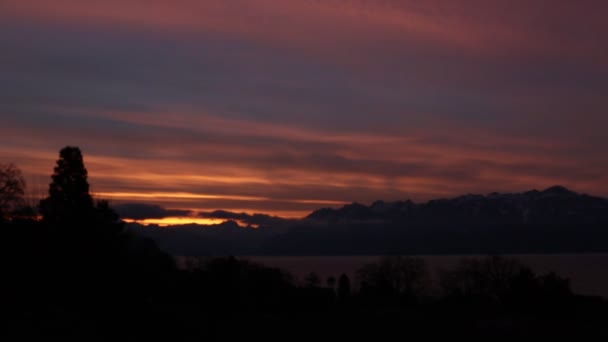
(286,106)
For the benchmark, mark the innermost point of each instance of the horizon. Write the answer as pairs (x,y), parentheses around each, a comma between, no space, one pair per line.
(282,108)
(219,216)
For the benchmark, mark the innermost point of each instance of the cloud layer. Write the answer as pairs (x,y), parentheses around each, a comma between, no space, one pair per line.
(286,106)
(140,211)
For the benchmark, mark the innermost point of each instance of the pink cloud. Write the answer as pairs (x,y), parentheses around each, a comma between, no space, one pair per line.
(541,28)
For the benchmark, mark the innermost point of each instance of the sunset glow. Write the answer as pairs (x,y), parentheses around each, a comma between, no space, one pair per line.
(284,107)
(171,221)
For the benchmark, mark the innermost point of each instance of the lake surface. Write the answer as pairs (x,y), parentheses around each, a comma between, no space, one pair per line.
(588,273)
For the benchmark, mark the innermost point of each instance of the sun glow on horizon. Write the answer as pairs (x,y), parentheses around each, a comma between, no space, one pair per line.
(176,221)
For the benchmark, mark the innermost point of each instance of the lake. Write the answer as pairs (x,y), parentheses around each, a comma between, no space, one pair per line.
(588,273)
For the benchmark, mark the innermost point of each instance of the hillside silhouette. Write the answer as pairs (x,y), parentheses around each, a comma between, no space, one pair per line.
(555,220)
(78,273)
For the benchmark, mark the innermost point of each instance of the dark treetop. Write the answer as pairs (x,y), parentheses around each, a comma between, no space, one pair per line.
(69,199)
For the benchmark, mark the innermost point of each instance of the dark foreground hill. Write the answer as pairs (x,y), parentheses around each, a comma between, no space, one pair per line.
(555,220)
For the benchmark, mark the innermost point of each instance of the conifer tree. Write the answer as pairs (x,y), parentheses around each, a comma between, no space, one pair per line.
(69,200)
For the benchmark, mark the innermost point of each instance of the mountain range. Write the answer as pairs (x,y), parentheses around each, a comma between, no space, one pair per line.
(556,220)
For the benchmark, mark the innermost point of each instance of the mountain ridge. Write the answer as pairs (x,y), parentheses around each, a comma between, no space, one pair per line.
(554,220)
(536,206)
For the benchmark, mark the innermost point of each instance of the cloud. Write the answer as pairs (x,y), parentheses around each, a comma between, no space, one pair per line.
(141,211)
(286,106)
(339,27)
(254,219)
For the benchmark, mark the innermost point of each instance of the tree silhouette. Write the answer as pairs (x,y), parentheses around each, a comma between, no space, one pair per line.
(12,189)
(493,277)
(331,282)
(312,280)
(69,200)
(344,290)
(395,276)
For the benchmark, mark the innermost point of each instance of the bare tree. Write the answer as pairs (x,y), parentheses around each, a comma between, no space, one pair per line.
(490,276)
(312,280)
(12,189)
(331,282)
(395,275)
